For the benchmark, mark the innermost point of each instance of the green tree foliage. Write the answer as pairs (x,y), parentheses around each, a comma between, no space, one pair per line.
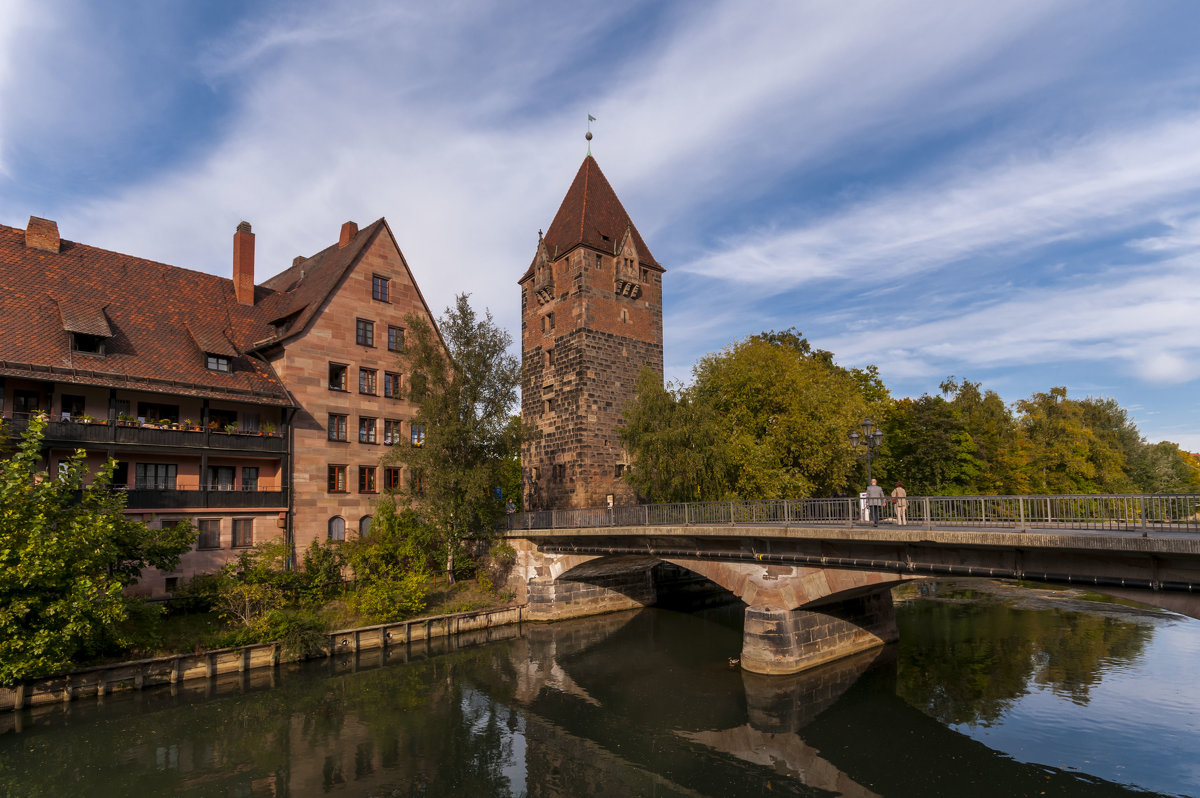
(679,444)
(392,564)
(465,386)
(67,553)
(765,418)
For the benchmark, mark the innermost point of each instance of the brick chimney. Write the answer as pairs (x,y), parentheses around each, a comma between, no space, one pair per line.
(349,231)
(42,234)
(243,264)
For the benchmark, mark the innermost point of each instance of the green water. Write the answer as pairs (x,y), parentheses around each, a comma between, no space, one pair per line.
(982,697)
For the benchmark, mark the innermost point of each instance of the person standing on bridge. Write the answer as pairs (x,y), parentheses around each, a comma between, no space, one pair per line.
(875,500)
(900,503)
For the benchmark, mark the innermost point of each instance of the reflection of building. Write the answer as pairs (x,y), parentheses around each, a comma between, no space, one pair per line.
(591,320)
(250,409)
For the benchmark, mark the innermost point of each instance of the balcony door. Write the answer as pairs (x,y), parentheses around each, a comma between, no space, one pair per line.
(220,477)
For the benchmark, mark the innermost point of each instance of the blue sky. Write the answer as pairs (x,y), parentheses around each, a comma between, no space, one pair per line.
(1004,192)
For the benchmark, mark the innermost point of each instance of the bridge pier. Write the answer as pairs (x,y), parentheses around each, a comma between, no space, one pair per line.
(781,641)
(551,599)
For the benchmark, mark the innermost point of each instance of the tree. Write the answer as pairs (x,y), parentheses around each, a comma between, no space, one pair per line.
(678,443)
(465,386)
(67,553)
(765,418)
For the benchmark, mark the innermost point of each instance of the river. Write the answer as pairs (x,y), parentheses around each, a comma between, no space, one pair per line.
(993,690)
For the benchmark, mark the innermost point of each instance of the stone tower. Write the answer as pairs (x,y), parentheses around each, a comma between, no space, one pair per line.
(591,320)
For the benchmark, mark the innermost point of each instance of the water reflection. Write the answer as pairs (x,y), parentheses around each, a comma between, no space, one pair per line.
(629,704)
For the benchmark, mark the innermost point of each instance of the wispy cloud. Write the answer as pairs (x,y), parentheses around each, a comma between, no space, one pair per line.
(1099,185)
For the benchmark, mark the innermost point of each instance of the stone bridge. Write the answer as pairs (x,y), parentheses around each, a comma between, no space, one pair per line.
(816,592)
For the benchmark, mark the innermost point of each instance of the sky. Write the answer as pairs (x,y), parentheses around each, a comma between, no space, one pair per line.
(1007,193)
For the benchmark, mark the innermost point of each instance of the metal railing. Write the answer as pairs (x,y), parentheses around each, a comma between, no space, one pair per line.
(1104,512)
(111,432)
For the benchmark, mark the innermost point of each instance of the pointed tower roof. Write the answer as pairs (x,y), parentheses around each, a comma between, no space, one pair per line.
(591,215)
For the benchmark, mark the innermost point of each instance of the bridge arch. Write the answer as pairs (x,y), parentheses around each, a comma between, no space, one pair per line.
(797,617)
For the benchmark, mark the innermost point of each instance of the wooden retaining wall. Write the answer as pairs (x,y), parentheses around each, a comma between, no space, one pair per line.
(135,675)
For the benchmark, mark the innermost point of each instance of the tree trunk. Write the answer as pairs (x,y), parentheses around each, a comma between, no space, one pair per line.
(450,566)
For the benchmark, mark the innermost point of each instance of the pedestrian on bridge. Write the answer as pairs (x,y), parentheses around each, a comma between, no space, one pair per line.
(900,503)
(875,499)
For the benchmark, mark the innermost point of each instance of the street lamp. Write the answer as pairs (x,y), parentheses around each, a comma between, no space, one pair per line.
(872,436)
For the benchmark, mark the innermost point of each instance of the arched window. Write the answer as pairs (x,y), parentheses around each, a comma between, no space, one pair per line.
(364,526)
(337,528)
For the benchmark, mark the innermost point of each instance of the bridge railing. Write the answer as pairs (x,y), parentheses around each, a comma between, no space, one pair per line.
(1112,512)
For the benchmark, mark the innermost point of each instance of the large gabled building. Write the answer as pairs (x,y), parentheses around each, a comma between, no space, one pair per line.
(257,411)
(591,320)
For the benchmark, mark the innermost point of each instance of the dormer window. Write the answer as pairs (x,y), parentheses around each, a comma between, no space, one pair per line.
(87,326)
(215,362)
(87,344)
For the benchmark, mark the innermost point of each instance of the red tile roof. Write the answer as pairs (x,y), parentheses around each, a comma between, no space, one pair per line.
(592,216)
(161,318)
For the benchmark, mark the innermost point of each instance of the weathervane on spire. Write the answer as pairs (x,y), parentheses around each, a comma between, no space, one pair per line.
(591,119)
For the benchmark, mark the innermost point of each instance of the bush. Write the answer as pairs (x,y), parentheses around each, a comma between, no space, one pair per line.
(391,597)
(322,574)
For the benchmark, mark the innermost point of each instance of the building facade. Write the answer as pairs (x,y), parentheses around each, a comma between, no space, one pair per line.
(591,320)
(257,411)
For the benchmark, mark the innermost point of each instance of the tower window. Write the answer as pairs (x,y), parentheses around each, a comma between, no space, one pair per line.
(597,261)
(548,322)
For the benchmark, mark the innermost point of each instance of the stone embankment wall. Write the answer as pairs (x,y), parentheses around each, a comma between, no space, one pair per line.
(136,675)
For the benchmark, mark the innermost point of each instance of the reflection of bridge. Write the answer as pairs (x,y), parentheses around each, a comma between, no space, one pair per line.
(816,580)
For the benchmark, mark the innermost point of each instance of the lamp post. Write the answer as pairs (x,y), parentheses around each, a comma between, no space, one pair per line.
(872,437)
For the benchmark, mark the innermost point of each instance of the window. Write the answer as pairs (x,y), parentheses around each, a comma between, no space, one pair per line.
(395,338)
(417,434)
(154,413)
(391,385)
(72,407)
(645,275)
(391,478)
(337,479)
(210,534)
(416,481)
(366,479)
(87,344)
(597,261)
(156,476)
(379,288)
(337,528)
(391,432)
(216,362)
(366,381)
(220,477)
(366,430)
(219,419)
(560,471)
(249,477)
(364,526)
(548,322)
(337,427)
(618,470)
(550,405)
(243,533)
(364,332)
(337,376)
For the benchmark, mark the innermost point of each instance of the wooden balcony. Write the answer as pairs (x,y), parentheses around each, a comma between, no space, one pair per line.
(75,434)
(143,499)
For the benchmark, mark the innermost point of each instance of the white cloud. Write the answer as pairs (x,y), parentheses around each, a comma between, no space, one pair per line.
(1099,185)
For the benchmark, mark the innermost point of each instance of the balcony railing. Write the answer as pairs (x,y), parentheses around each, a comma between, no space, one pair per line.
(1102,512)
(135,434)
(152,499)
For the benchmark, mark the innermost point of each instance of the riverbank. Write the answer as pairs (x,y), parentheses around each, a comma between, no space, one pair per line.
(102,680)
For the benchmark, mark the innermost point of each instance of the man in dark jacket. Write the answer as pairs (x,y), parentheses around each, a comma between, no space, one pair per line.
(875,500)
